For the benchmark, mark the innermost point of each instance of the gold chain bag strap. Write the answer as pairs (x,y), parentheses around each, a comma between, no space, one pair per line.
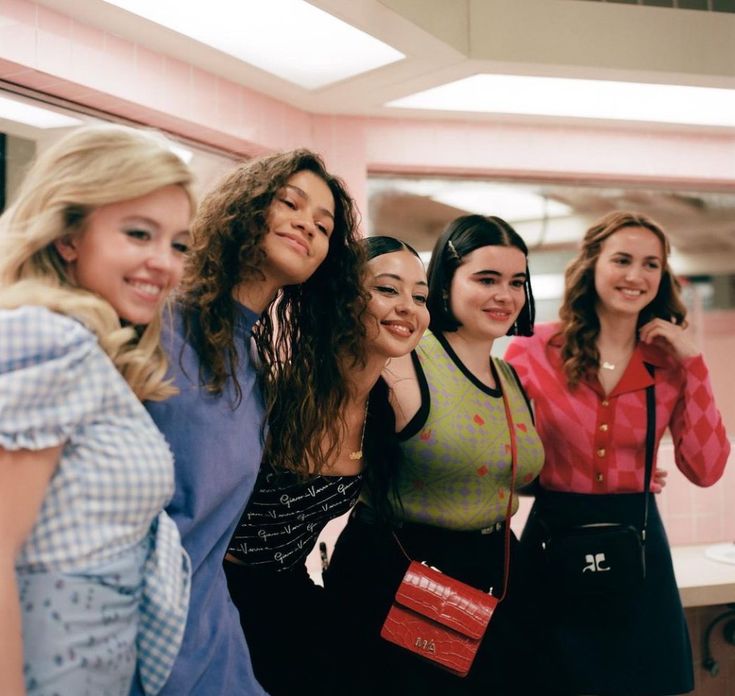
(442,619)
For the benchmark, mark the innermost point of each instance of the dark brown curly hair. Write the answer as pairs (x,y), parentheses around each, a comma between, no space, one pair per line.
(580,325)
(311,333)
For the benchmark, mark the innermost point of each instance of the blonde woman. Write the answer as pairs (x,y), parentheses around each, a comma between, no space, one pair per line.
(93,578)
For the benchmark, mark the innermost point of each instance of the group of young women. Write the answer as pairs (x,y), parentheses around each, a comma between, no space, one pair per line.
(165,468)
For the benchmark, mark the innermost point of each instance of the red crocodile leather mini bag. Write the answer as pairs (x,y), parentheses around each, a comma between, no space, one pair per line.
(442,619)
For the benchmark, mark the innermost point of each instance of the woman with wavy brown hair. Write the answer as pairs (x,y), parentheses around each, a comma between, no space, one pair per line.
(275,265)
(621,331)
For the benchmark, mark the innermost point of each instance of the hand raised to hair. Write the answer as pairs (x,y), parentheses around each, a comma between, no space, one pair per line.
(671,337)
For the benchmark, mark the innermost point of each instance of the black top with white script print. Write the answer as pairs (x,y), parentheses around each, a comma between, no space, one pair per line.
(286,514)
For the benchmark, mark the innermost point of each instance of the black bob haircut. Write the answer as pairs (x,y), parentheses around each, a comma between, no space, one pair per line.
(466,234)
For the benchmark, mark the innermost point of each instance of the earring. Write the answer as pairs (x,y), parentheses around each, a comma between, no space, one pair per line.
(445,301)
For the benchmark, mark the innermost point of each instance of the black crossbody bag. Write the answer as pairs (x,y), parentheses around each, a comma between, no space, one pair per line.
(604,557)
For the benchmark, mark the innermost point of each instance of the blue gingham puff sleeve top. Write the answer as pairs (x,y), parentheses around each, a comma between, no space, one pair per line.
(102,577)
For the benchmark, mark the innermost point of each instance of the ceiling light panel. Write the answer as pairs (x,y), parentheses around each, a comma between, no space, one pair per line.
(595,99)
(30,115)
(288,38)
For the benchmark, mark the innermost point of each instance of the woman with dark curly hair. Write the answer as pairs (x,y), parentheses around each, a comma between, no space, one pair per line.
(274,246)
(621,331)
(265,565)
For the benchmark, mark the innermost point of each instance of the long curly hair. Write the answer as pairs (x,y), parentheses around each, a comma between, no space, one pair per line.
(580,325)
(90,167)
(461,237)
(311,333)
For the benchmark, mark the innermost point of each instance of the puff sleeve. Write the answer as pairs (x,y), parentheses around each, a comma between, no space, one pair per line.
(49,377)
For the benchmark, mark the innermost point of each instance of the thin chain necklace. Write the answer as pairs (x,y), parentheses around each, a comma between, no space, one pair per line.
(357,454)
(623,360)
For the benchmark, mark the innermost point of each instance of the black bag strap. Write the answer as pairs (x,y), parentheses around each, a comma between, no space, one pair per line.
(650,444)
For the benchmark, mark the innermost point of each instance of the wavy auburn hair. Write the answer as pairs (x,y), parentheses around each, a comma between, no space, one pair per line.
(88,168)
(304,335)
(580,325)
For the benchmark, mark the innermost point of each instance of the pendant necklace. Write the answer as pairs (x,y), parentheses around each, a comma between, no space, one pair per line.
(357,454)
(607,365)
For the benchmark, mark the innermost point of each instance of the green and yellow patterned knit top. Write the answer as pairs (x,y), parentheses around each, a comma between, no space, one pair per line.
(456,468)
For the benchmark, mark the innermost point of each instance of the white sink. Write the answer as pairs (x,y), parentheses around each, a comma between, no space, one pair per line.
(724,553)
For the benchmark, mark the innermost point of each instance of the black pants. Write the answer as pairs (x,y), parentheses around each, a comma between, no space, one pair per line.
(366,568)
(290,631)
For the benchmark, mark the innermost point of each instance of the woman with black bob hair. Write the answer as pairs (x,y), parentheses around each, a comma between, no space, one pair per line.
(451,488)
(467,234)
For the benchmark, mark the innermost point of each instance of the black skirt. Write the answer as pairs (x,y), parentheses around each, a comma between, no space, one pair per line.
(633,644)
(366,568)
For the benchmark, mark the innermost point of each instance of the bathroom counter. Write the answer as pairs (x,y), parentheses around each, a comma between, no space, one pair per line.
(702,581)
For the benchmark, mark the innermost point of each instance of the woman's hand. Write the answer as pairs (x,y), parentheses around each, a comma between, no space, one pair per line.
(671,337)
(658,480)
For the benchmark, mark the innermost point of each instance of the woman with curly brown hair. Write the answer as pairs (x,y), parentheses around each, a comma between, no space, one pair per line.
(622,331)
(274,245)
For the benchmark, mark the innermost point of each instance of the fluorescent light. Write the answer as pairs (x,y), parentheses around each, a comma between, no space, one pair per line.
(601,99)
(510,204)
(21,112)
(288,38)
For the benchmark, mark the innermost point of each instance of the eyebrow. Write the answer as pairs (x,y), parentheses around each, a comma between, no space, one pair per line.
(397,277)
(300,192)
(630,256)
(497,274)
(132,219)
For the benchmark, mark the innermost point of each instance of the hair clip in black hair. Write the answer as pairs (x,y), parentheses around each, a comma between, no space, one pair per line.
(453,251)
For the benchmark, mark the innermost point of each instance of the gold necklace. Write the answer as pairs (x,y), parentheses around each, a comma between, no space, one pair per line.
(357,454)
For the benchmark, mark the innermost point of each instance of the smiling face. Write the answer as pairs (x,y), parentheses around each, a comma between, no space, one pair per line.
(487,291)
(132,253)
(628,271)
(300,224)
(397,309)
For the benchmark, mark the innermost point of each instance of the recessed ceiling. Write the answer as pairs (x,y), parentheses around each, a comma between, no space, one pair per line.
(449,40)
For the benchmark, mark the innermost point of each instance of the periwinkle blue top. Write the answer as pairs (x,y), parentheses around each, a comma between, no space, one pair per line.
(217,452)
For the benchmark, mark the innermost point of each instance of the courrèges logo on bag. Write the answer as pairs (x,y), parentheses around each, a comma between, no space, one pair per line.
(595,563)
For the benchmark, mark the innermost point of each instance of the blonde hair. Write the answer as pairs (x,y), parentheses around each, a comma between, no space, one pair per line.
(88,168)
